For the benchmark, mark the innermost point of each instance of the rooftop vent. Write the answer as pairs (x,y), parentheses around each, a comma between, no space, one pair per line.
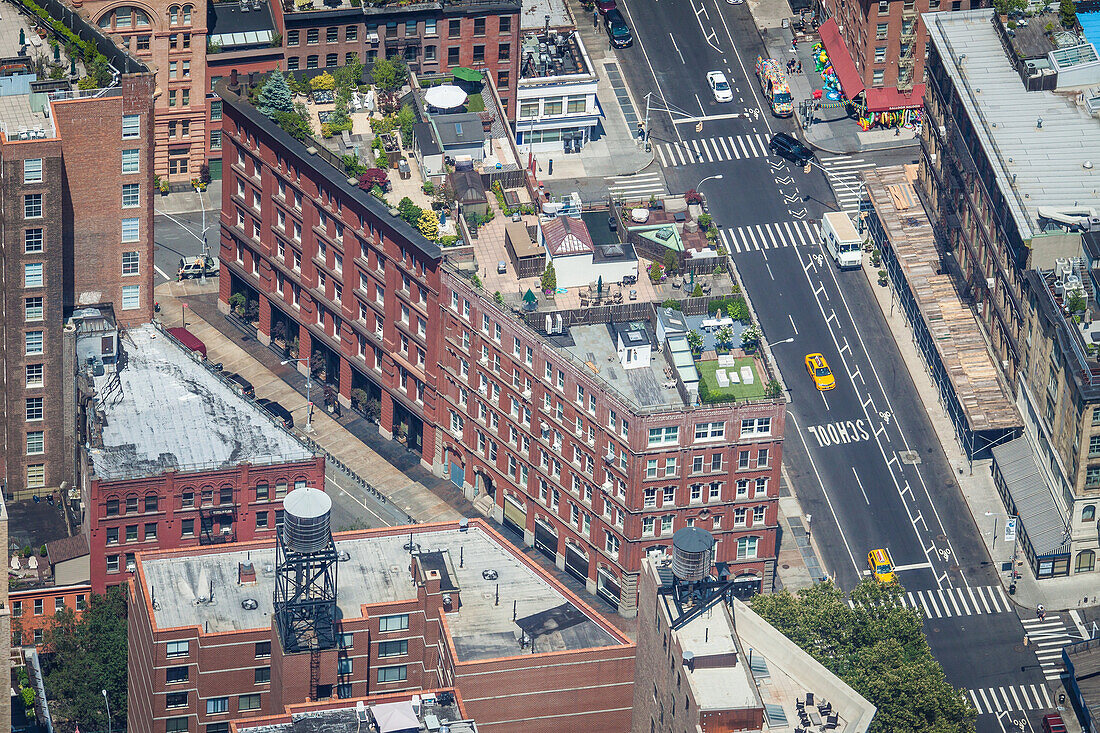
(250,604)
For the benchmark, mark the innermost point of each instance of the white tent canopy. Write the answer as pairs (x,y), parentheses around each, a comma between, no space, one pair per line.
(395,717)
(445,96)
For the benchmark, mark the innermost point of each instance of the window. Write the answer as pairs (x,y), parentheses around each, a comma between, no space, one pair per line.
(112,535)
(504,52)
(758,515)
(880,31)
(131,297)
(393,623)
(34,375)
(249,702)
(505,24)
(34,408)
(35,442)
(32,206)
(151,531)
(177,649)
(131,195)
(878,78)
(36,476)
(715,490)
(344,666)
(261,675)
(503,79)
(880,54)
(351,33)
(552,107)
(176,674)
(664,436)
(131,127)
(32,308)
(1086,561)
(454,28)
(758,426)
(746,547)
(332,34)
(143,43)
(131,161)
(216,705)
(429,53)
(32,275)
(130,262)
(175,699)
(393,648)
(32,170)
(429,27)
(112,563)
(1094,445)
(392,674)
(531,109)
(647,526)
(263,649)
(332,59)
(452,56)
(313,36)
(130,229)
(176,725)
(311,61)
(1088,513)
(33,242)
(187,528)
(710,430)
(131,533)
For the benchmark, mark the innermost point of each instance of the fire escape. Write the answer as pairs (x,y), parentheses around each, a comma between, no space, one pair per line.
(907,59)
(218,524)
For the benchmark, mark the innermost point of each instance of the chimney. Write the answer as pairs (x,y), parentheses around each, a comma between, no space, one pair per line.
(234,82)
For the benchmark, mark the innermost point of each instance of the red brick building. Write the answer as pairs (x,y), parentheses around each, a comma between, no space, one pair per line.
(175,458)
(78,213)
(33,609)
(428,707)
(878,48)
(584,468)
(420,607)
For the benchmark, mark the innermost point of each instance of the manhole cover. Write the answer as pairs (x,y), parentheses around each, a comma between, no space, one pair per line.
(909,457)
(786,567)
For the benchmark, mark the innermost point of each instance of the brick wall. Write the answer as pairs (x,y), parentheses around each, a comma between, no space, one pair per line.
(32,610)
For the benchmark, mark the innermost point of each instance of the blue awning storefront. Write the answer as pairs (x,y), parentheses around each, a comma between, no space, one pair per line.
(1041,528)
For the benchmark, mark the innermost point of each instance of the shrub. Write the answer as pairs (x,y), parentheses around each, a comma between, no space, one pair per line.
(772,390)
(374,177)
(428,224)
(323,81)
(655,272)
(671,262)
(698,291)
(476,281)
(695,340)
(673,304)
(549,281)
(294,124)
(498,298)
(693,197)
(705,221)
(409,211)
(237,302)
(448,240)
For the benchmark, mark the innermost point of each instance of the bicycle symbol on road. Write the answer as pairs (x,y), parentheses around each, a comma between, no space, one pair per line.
(818,258)
(885,415)
(945,554)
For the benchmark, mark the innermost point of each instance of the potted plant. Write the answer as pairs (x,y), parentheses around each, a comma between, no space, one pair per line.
(163,186)
(882,278)
(695,341)
(723,339)
(750,339)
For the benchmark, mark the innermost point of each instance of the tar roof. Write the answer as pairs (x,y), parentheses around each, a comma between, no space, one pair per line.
(232,25)
(377,571)
(1035,166)
(644,387)
(172,413)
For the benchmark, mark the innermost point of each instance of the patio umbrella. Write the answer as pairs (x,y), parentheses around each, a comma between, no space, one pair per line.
(599,287)
(464,74)
(445,96)
(530,297)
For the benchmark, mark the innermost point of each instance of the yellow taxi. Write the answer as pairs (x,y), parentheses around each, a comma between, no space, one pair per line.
(882,565)
(820,372)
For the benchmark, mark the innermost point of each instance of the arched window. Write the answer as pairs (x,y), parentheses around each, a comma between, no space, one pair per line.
(263,491)
(152,503)
(187,15)
(1086,561)
(1088,513)
(174,15)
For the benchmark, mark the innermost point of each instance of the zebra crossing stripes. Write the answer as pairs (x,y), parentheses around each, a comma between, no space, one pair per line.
(712,149)
(755,237)
(989,700)
(965,601)
(1047,637)
(844,175)
(636,188)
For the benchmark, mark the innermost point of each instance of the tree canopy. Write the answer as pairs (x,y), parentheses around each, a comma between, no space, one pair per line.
(389,74)
(84,655)
(878,648)
(275,95)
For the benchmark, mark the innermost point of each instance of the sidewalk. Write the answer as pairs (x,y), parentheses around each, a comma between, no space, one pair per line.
(185,202)
(978,489)
(832,130)
(384,464)
(616,151)
(797,563)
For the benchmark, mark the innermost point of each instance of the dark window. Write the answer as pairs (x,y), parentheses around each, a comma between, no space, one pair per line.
(505,24)
(225,495)
(454,28)
(263,675)
(175,700)
(222,727)
(479,26)
(176,725)
(112,507)
(263,649)
(187,528)
(504,51)
(311,62)
(479,54)
(312,36)
(262,491)
(176,674)
(332,35)
(131,504)
(502,80)
(331,60)
(152,503)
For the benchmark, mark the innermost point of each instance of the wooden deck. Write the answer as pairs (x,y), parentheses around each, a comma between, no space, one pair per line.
(955,331)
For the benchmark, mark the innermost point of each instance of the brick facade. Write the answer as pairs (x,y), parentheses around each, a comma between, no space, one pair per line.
(486,400)
(241,503)
(589,688)
(64,250)
(32,610)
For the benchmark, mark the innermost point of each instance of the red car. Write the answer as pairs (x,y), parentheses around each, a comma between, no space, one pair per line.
(604,5)
(1053,723)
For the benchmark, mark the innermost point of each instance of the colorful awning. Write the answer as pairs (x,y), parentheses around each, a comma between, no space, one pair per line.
(850,82)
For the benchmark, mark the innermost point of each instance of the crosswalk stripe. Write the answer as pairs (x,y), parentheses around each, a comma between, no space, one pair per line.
(661,155)
(771,236)
(695,145)
(763,143)
(1011,698)
(725,150)
(1046,696)
(745,150)
(1001,593)
(960,604)
(752,235)
(975,596)
(763,239)
(1020,705)
(706,150)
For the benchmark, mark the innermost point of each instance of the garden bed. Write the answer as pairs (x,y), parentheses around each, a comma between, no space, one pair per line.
(739,392)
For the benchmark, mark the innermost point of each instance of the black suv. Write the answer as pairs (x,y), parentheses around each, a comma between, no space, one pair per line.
(277,411)
(786,146)
(240,384)
(617,29)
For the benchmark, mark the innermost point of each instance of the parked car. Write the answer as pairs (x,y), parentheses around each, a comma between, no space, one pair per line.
(1053,723)
(197,267)
(605,5)
(716,80)
(240,384)
(788,147)
(188,340)
(617,30)
(277,411)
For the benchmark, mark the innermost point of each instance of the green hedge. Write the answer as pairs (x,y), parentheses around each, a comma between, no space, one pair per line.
(706,397)
(88,51)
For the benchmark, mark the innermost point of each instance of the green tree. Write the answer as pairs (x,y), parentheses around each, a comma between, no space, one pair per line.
(671,262)
(1067,14)
(428,224)
(695,340)
(655,272)
(1076,302)
(549,281)
(389,74)
(408,210)
(87,654)
(724,336)
(772,390)
(323,81)
(347,77)
(1004,7)
(275,95)
(294,124)
(406,118)
(878,647)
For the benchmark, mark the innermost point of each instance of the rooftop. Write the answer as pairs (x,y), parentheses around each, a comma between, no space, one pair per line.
(647,386)
(552,55)
(17,109)
(539,14)
(1037,142)
(985,399)
(169,412)
(381,714)
(376,570)
(240,24)
(1085,658)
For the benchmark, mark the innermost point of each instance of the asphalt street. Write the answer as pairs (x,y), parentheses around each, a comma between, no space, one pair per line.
(863,458)
(181,235)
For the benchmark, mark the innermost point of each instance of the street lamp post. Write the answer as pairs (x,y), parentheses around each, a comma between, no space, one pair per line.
(858,190)
(108,704)
(699,185)
(309,388)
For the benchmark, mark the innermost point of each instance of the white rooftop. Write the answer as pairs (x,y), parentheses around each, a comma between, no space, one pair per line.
(1034,166)
(173,413)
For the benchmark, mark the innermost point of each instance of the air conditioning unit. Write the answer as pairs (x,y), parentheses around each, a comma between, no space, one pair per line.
(372,38)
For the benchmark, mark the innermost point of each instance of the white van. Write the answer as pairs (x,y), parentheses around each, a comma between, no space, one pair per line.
(840,237)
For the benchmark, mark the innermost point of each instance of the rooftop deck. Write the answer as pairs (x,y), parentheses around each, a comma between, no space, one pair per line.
(376,571)
(168,412)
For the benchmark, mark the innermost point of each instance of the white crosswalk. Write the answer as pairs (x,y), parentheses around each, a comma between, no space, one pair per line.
(755,237)
(966,601)
(1011,697)
(636,188)
(1047,637)
(712,149)
(843,175)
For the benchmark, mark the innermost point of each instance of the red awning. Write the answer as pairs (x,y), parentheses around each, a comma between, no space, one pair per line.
(888,99)
(850,82)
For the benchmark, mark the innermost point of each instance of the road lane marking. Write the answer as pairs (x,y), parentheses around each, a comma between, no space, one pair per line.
(860,483)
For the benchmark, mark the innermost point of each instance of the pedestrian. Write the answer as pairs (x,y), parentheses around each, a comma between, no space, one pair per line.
(595,18)
(1041,611)
(800,67)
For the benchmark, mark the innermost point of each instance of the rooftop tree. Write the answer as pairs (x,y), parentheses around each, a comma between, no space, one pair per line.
(275,96)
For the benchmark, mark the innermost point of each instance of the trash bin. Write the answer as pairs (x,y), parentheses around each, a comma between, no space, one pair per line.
(403,169)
